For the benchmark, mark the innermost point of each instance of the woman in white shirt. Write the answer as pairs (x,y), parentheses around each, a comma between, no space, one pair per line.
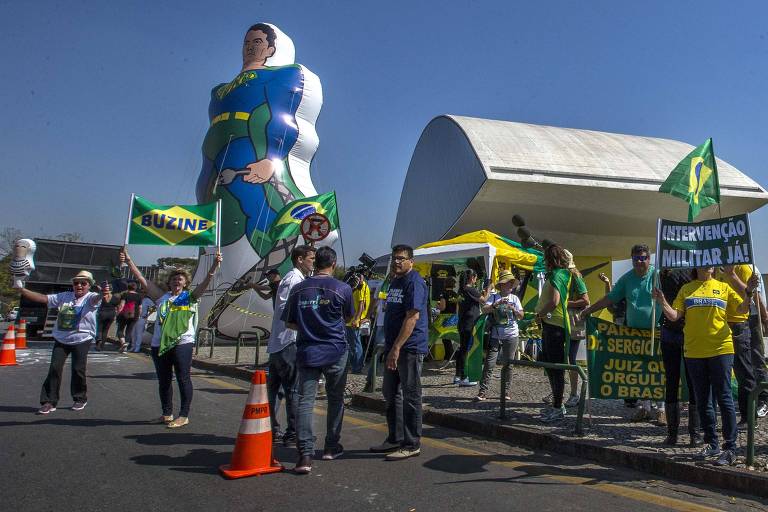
(174,336)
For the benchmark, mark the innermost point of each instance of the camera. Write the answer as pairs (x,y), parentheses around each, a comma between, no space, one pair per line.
(357,272)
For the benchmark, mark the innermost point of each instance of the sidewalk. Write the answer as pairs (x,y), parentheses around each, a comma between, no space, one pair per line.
(610,437)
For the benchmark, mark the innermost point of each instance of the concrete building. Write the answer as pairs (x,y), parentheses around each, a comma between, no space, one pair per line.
(594,192)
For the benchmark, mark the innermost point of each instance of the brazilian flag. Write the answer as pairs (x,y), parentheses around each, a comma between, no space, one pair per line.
(175,224)
(287,222)
(694,180)
(473,364)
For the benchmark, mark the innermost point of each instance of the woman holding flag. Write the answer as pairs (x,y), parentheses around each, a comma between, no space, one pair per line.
(708,349)
(174,335)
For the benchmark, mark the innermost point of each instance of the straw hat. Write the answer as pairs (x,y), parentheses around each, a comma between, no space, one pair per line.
(505,276)
(85,275)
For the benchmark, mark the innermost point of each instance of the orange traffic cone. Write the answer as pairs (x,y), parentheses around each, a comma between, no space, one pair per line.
(8,352)
(253,448)
(21,335)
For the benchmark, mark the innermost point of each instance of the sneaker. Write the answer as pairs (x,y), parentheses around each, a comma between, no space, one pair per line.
(46,409)
(762,410)
(385,447)
(465,382)
(333,452)
(708,451)
(661,418)
(166,419)
(304,465)
(403,453)
(289,440)
(726,458)
(547,399)
(456,380)
(554,415)
(277,436)
(572,401)
(507,398)
(79,406)
(122,348)
(480,397)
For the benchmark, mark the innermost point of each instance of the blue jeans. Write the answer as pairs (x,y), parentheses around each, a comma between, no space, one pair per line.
(335,382)
(355,349)
(402,392)
(714,373)
(178,360)
(282,374)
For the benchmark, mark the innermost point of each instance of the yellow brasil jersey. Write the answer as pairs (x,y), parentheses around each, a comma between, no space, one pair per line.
(361,298)
(744,272)
(705,304)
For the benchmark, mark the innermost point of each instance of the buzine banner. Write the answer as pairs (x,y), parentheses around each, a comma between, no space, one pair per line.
(154,224)
(623,362)
(710,243)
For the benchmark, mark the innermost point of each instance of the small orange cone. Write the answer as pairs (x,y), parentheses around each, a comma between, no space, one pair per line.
(253,448)
(21,335)
(8,352)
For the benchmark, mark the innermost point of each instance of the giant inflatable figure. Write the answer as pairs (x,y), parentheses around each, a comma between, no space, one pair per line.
(256,158)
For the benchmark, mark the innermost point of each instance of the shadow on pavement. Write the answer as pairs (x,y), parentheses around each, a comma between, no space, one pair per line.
(17,408)
(224,391)
(200,460)
(81,422)
(135,376)
(174,438)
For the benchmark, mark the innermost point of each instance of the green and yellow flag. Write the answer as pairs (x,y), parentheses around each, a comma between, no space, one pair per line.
(287,222)
(694,180)
(154,224)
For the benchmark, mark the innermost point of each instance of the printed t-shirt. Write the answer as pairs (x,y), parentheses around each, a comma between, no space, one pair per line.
(76,322)
(706,330)
(281,336)
(361,297)
(503,316)
(131,307)
(743,272)
(451,299)
(319,306)
(406,293)
(167,305)
(636,290)
(469,306)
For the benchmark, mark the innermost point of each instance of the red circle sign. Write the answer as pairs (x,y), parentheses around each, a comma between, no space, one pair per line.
(315,227)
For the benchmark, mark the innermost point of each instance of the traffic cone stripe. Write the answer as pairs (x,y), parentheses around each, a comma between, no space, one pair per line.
(9,346)
(257,395)
(258,426)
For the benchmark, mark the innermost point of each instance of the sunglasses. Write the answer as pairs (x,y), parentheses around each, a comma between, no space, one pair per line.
(639,258)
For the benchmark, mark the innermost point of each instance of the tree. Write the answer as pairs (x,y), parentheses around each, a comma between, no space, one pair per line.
(71,237)
(8,237)
(8,296)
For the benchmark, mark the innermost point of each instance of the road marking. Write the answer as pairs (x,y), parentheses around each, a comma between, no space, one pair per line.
(546,471)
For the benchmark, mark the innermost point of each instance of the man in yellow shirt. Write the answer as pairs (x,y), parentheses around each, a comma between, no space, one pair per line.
(361,298)
(737,276)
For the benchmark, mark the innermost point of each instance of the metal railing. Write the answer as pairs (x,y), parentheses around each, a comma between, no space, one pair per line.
(211,334)
(579,429)
(244,336)
(751,406)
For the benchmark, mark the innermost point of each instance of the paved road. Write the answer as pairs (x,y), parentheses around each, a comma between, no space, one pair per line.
(110,456)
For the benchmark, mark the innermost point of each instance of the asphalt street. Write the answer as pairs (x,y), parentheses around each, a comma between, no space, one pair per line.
(112,456)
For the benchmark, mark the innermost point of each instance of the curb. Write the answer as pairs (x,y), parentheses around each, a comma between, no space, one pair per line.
(733,479)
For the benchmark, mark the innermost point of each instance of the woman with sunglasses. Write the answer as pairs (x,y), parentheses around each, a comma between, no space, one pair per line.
(174,335)
(708,348)
(73,333)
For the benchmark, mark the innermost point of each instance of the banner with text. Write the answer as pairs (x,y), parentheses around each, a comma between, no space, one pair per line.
(710,243)
(621,363)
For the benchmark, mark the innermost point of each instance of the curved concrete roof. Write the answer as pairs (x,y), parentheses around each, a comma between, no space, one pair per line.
(594,192)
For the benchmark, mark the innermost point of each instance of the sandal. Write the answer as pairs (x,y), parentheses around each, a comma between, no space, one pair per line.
(166,419)
(178,422)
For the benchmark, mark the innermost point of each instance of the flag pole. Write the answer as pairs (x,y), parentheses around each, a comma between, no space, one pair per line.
(754,269)
(218,225)
(338,227)
(130,214)
(653,285)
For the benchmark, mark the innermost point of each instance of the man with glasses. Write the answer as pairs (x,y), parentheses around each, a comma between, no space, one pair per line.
(635,287)
(405,327)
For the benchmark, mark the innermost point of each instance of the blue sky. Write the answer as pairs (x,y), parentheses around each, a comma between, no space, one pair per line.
(100,99)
